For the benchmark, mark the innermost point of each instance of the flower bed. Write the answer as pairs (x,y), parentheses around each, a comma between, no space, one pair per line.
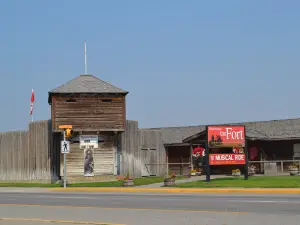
(170,180)
(128,181)
(195,172)
(236,173)
(294,169)
(251,170)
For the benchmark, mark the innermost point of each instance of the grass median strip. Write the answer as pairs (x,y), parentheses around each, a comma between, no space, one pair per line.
(252,182)
(117,183)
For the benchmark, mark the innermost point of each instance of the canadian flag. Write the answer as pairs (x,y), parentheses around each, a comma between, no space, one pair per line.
(31,102)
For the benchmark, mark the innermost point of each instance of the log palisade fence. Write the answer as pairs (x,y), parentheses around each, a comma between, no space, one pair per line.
(34,155)
(29,155)
(142,151)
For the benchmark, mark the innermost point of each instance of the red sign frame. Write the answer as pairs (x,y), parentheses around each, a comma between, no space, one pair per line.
(227,159)
(225,136)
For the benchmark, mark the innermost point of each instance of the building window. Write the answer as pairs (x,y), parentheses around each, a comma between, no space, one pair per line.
(70,100)
(106,100)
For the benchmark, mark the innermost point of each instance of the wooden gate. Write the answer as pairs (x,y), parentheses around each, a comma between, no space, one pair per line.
(149,158)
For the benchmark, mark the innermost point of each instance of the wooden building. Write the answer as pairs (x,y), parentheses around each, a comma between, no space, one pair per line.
(179,154)
(97,112)
(275,140)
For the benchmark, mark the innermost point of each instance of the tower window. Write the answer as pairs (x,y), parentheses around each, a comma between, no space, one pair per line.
(70,100)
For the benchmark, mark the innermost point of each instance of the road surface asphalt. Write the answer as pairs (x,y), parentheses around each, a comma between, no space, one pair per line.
(148,209)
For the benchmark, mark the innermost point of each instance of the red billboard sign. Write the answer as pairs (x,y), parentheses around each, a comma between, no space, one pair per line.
(227,159)
(226,136)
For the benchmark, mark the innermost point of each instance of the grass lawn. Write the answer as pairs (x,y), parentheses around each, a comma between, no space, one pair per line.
(252,182)
(23,184)
(137,182)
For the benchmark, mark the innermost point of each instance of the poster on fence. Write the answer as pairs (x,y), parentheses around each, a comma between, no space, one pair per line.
(88,162)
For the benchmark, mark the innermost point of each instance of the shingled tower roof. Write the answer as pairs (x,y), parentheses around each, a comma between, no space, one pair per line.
(87,84)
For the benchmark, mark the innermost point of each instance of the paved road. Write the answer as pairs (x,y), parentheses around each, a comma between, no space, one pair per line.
(150,209)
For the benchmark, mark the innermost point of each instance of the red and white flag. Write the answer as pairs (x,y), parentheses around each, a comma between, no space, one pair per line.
(31,102)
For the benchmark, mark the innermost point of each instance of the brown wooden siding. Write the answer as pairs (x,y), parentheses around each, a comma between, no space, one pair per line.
(53,112)
(89,113)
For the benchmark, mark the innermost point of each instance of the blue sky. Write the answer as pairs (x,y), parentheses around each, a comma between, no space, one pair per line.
(183,62)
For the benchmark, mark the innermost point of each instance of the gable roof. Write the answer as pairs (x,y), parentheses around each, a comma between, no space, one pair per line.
(262,130)
(87,84)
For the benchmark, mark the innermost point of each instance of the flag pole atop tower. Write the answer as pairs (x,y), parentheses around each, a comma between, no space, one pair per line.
(85,60)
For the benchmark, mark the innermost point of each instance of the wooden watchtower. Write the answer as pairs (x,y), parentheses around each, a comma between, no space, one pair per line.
(93,107)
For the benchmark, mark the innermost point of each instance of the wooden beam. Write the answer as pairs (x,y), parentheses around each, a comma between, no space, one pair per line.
(167,159)
(93,130)
(184,144)
(192,165)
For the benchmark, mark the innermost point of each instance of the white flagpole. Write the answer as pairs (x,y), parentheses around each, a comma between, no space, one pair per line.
(85,60)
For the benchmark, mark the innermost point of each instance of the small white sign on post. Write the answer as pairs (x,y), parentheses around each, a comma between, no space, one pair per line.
(88,141)
(65,147)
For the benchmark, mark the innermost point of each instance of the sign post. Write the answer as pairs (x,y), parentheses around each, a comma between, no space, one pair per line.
(247,160)
(226,137)
(65,149)
(207,166)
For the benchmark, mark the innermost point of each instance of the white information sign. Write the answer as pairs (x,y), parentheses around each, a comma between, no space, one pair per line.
(88,141)
(65,147)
